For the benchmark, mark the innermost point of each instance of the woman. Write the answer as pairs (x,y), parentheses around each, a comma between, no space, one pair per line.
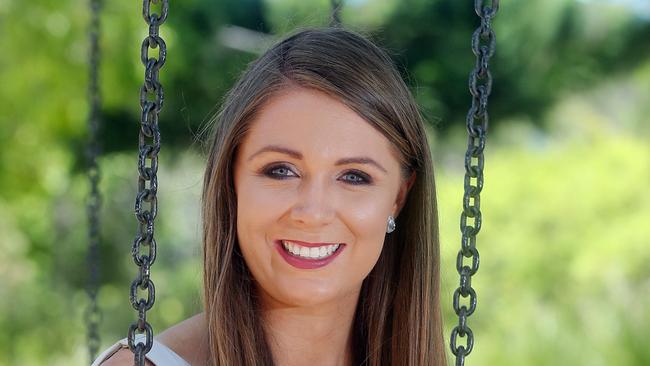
(319,215)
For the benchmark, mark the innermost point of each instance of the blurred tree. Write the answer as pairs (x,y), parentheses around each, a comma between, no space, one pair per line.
(545,49)
(198,71)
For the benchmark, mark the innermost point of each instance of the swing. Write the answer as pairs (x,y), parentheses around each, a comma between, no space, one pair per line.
(151,102)
(480,86)
(92,314)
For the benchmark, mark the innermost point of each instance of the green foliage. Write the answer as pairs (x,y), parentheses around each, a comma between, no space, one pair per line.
(563,277)
(545,49)
(563,254)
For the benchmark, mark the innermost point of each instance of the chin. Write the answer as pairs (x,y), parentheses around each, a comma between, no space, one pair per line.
(343,293)
(307,292)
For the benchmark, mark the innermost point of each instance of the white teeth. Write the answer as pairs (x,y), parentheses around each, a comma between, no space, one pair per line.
(304,252)
(310,252)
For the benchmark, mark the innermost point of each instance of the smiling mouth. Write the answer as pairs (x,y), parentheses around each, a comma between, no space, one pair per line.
(312,252)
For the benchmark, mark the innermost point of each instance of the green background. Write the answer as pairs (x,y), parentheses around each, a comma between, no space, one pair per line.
(565,265)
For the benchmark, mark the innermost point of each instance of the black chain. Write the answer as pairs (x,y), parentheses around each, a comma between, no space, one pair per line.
(151,101)
(92,314)
(335,16)
(480,86)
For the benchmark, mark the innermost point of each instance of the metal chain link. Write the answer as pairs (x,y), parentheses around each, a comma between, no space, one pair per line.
(335,16)
(480,86)
(144,245)
(92,315)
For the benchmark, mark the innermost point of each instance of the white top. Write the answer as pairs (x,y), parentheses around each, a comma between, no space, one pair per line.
(159,355)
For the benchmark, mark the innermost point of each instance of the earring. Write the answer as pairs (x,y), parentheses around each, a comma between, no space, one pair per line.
(391,224)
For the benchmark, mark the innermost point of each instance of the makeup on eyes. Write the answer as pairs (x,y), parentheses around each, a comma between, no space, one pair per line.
(267,171)
(298,155)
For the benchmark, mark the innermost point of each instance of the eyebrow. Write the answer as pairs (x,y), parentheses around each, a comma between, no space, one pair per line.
(297,155)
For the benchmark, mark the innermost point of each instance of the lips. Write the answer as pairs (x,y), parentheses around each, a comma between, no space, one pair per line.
(305,263)
(307,244)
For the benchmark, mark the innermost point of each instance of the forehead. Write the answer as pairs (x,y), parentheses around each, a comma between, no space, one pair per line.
(316,124)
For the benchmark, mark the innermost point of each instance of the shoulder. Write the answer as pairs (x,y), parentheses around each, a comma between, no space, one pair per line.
(123,357)
(187,339)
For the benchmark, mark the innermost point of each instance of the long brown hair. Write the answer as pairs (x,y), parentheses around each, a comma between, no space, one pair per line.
(398,320)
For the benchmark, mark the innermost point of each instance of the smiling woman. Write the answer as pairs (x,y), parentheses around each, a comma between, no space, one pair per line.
(310,201)
(319,215)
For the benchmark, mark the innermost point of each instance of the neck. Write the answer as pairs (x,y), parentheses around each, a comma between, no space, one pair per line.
(315,335)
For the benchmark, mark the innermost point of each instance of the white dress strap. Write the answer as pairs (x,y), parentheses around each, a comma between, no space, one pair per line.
(159,355)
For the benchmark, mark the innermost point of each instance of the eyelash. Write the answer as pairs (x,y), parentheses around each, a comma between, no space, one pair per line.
(268,172)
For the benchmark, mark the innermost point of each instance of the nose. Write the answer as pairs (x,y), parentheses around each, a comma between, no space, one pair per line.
(314,204)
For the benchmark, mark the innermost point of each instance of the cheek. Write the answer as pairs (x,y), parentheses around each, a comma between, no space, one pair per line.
(258,208)
(366,213)
(366,217)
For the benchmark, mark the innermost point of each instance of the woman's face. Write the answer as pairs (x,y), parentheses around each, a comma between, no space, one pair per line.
(311,170)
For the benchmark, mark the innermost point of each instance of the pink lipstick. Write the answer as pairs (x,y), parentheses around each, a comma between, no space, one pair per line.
(307,263)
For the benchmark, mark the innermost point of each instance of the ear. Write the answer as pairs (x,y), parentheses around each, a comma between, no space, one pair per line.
(403,193)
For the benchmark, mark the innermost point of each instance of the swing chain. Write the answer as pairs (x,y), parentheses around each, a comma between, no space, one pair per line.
(144,244)
(480,87)
(335,15)
(92,315)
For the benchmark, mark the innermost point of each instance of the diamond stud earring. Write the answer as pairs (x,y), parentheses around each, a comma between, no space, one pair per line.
(391,224)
